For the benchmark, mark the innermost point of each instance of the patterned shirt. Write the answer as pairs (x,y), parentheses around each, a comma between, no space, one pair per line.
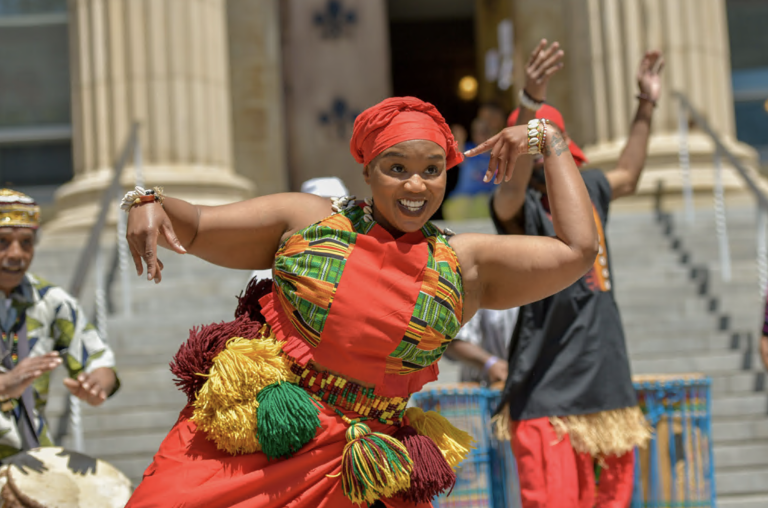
(55,322)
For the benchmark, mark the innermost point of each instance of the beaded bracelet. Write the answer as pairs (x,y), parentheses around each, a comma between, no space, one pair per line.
(529,102)
(139,196)
(537,136)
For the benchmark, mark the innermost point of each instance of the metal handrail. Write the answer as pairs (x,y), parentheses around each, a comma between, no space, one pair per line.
(721,151)
(740,168)
(90,253)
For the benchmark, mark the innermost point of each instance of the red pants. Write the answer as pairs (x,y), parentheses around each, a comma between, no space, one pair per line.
(553,475)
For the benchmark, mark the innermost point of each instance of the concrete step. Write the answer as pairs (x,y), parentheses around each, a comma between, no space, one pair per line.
(740,454)
(711,362)
(748,501)
(739,428)
(745,481)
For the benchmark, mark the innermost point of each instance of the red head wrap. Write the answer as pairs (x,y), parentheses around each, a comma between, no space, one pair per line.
(399,119)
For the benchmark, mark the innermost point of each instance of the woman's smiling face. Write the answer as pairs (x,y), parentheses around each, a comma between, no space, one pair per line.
(408,185)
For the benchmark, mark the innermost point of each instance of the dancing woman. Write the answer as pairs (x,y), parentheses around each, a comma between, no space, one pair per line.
(301,401)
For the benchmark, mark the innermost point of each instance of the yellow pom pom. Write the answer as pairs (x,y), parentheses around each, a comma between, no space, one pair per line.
(226,405)
(453,443)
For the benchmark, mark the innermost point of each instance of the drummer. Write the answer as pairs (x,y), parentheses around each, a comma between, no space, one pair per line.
(41,327)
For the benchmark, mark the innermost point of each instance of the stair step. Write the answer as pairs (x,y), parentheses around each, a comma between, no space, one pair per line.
(749,501)
(752,480)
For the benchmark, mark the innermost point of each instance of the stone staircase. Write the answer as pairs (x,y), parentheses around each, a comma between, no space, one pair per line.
(678,316)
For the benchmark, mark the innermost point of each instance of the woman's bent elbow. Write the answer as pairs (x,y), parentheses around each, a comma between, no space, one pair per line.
(587,254)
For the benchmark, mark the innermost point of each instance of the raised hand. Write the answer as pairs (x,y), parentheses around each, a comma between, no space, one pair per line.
(14,382)
(505,148)
(649,75)
(92,387)
(542,64)
(145,224)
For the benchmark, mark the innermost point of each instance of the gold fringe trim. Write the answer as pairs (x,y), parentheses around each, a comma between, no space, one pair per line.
(600,434)
(614,432)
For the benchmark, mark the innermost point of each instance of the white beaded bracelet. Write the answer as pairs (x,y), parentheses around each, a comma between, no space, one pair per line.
(529,102)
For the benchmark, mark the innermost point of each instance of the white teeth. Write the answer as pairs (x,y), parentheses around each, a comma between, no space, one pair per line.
(413,206)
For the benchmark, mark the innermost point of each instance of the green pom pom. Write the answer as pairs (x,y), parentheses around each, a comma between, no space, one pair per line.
(286,419)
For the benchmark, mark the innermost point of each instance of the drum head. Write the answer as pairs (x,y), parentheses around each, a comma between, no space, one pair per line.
(53,477)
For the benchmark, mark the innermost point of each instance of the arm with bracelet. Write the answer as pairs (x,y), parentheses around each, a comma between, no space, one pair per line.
(509,196)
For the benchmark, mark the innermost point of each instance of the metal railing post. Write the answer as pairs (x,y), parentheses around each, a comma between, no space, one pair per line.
(70,419)
(762,251)
(720,220)
(138,168)
(685,162)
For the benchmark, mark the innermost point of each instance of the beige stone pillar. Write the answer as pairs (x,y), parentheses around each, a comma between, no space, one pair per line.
(162,63)
(604,41)
(336,64)
(255,69)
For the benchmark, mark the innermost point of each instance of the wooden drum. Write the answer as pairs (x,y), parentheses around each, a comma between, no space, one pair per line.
(53,477)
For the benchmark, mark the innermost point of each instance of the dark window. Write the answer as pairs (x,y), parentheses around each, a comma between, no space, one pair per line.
(34,75)
(752,125)
(747,22)
(19,7)
(35,164)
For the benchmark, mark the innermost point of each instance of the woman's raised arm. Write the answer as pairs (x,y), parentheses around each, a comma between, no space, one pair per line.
(507,271)
(242,235)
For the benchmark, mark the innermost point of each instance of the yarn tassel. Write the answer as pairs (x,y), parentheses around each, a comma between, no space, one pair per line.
(455,444)
(431,474)
(287,419)
(226,405)
(373,465)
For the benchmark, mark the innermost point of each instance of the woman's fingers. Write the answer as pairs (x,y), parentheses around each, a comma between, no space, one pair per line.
(543,56)
(173,241)
(551,63)
(150,255)
(542,44)
(483,147)
(510,165)
(503,159)
(136,258)
(493,164)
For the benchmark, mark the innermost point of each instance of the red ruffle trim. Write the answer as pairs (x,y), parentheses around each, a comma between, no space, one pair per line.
(295,345)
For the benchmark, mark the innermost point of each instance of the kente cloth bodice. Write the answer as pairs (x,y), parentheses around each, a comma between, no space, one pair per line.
(363,304)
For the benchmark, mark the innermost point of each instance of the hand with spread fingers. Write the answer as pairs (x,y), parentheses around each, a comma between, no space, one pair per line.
(649,76)
(14,382)
(148,224)
(505,147)
(93,387)
(542,64)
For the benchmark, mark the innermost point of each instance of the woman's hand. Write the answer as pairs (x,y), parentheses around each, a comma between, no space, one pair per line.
(505,148)
(542,64)
(145,224)
(649,75)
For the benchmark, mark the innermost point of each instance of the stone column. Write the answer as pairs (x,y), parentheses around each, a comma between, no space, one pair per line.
(336,64)
(604,41)
(258,117)
(162,63)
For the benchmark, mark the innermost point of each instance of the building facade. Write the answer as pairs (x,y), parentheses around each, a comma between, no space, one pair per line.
(244,97)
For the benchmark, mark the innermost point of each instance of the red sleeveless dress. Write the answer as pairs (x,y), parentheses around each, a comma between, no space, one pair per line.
(367,306)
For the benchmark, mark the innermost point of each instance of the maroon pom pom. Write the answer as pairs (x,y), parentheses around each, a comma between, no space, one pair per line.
(196,355)
(248,301)
(431,473)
